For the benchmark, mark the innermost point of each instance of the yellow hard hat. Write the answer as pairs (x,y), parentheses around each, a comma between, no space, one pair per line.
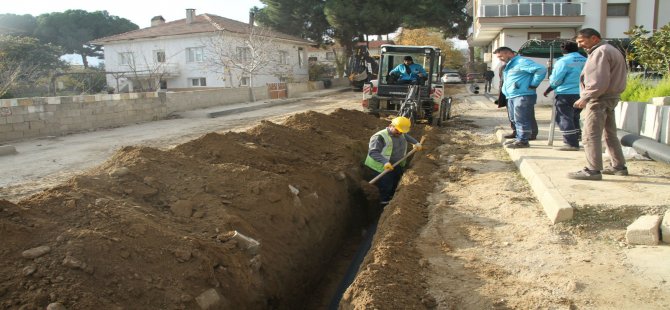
(401,124)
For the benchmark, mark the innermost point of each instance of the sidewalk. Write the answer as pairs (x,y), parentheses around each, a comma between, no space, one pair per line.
(545,168)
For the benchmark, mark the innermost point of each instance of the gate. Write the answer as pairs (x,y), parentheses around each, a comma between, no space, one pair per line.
(277,90)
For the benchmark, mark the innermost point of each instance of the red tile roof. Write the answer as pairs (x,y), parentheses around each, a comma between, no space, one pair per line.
(203,23)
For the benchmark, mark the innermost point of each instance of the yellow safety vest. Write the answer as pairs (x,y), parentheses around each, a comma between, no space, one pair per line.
(386,151)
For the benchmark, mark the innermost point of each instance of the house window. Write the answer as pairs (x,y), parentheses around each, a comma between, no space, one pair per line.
(330,56)
(198,82)
(283,79)
(300,60)
(244,81)
(618,9)
(194,54)
(159,56)
(126,58)
(243,54)
(283,58)
(543,35)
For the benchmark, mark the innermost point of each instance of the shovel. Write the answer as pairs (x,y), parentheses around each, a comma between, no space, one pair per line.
(397,163)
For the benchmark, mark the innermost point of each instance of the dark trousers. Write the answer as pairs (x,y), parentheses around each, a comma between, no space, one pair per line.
(388,184)
(487,86)
(521,110)
(567,119)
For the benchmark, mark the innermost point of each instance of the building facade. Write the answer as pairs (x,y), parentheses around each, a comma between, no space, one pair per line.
(513,22)
(202,51)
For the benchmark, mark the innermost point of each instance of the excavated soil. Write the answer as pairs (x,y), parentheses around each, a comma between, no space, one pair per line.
(154,228)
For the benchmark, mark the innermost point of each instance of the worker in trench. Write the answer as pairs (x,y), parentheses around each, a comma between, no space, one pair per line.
(387,147)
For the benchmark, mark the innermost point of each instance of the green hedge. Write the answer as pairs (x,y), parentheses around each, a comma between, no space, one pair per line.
(642,90)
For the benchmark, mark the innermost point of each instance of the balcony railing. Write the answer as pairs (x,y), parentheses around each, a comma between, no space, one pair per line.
(507,9)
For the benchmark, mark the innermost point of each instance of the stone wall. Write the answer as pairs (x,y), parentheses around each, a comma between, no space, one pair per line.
(25,118)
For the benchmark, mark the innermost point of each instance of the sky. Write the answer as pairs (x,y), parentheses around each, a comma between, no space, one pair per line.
(139,12)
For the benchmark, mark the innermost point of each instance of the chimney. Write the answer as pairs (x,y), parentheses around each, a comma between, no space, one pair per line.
(190,16)
(251,19)
(157,20)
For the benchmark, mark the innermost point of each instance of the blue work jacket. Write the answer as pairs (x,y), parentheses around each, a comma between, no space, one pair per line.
(520,75)
(415,69)
(564,78)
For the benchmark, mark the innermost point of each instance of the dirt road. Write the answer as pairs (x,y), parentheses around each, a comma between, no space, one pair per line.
(49,161)
(149,227)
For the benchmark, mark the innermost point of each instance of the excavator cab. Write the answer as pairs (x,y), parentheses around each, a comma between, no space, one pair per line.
(387,94)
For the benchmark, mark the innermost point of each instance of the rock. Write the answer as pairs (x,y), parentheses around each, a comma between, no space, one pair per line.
(208,299)
(119,172)
(56,306)
(255,263)
(28,270)
(185,297)
(149,180)
(36,252)
(293,190)
(340,176)
(199,214)
(73,263)
(183,208)
(71,204)
(101,202)
(182,255)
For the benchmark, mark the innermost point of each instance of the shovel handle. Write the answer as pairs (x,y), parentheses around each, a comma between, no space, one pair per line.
(379,176)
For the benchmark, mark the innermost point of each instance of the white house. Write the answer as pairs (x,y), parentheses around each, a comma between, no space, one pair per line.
(512,22)
(202,51)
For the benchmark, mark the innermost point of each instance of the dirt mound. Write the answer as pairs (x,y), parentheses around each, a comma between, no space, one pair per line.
(157,229)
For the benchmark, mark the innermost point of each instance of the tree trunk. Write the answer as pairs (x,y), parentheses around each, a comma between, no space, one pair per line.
(84,61)
(252,96)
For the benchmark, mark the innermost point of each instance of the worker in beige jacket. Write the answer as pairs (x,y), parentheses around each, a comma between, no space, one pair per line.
(601,83)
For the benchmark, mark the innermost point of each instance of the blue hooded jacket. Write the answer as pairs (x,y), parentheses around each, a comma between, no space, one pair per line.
(564,78)
(519,75)
(412,75)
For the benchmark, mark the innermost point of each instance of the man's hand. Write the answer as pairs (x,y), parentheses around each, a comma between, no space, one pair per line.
(388,166)
(580,103)
(417,147)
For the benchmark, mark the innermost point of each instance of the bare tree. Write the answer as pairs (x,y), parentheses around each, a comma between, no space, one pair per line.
(246,56)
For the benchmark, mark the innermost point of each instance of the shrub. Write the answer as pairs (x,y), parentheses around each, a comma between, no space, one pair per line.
(642,90)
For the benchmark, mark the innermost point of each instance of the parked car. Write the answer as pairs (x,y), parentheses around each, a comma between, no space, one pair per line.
(474,78)
(450,78)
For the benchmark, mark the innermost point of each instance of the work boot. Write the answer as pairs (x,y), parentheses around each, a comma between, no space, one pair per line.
(508,142)
(517,145)
(510,136)
(533,137)
(586,174)
(615,171)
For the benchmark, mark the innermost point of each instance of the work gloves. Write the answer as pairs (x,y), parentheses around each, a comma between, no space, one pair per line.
(388,166)
(417,147)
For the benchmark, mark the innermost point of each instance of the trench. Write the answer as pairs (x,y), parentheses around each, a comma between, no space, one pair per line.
(152,228)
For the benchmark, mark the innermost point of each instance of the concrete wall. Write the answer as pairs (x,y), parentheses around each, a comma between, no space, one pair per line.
(25,118)
(651,120)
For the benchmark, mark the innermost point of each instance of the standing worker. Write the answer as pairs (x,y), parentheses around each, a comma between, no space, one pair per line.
(387,147)
(520,80)
(488,76)
(601,83)
(564,80)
